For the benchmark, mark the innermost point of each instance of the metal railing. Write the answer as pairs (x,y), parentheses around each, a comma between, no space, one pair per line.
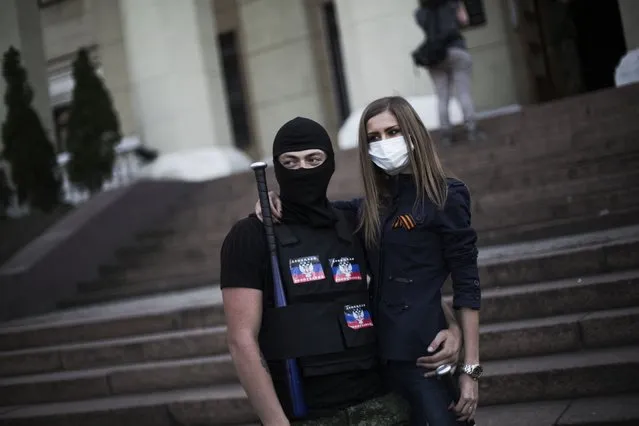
(125,170)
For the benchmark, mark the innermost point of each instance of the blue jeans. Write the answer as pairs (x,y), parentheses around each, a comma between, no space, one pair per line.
(429,398)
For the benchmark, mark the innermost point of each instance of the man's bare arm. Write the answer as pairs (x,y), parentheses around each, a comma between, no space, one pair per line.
(243,310)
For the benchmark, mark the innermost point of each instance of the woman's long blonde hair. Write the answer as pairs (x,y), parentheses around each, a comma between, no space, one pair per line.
(427,170)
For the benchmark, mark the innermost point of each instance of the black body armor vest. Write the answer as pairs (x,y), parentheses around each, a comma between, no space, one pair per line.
(327,324)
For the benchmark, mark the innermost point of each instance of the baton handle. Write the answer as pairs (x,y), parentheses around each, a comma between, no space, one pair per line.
(293,376)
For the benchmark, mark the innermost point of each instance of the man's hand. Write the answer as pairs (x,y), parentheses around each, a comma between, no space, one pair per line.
(468,397)
(450,342)
(276,207)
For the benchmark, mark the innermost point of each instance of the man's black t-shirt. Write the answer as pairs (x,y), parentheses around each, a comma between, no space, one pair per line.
(245,263)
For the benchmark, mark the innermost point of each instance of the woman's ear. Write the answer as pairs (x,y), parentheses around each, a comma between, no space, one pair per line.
(411,140)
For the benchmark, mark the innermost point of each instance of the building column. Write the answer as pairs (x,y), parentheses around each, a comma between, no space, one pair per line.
(284,66)
(106,21)
(630,16)
(20,27)
(177,88)
(377,38)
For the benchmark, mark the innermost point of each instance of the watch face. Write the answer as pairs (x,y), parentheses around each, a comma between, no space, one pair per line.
(477,371)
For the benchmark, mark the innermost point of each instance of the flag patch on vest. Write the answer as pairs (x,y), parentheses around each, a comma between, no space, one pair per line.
(306,269)
(345,269)
(357,316)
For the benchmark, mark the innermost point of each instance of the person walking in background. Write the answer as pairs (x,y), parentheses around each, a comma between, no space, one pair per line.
(445,55)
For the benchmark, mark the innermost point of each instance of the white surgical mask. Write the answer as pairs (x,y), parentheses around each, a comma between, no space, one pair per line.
(390,155)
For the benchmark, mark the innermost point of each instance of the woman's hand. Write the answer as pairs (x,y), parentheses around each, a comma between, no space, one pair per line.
(468,397)
(462,15)
(450,342)
(276,207)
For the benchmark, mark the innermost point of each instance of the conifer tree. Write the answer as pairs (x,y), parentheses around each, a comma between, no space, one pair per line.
(34,167)
(93,128)
(5,193)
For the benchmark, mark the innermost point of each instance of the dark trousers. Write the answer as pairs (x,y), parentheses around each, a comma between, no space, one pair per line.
(429,398)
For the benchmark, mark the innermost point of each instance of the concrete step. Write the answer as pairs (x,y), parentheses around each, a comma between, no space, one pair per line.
(163,236)
(160,346)
(540,261)
(107,290)
(117,380)
(565,333)
(190,309)
(178,263)
(200,254)
(557,258)
(555,220)
(215,406)
(201,243)
(590,184)
(519,146)
(557,168)
(580,374)
(219,218)
(572,295)
(560,227)
(177,282)
(498,341)
(549,209)
(211,406)
(567,375)
(618,410)
(571,164)
(165,266)
(584,106)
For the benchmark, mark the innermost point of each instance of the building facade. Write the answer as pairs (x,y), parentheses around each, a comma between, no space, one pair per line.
(223,75)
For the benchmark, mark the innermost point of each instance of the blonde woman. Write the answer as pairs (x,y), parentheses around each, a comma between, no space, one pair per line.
(416,224)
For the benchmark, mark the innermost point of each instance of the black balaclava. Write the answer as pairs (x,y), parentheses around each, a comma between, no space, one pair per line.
(303,191)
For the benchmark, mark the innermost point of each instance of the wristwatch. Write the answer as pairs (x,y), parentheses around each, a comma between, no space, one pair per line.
(473,370)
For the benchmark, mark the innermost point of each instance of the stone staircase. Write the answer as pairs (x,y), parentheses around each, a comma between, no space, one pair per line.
(556,207)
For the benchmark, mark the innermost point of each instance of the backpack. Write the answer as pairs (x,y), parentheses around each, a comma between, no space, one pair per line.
(441,28)
(430,53)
